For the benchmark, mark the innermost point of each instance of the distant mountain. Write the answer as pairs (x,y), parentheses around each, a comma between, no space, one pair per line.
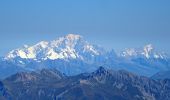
(162,75)
(148,57)
(101,84)
(73,55)
(147,52)
(69,47)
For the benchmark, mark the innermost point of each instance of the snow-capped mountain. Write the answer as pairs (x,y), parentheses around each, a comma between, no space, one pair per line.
(72,55)
(147,52)
(69,47)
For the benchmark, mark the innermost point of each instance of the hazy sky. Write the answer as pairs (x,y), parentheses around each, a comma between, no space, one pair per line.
(113,24)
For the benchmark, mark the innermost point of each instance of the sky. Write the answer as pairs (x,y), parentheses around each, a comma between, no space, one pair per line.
(116,24)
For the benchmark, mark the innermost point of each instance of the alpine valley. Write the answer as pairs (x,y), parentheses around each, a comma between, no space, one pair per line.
(73,55)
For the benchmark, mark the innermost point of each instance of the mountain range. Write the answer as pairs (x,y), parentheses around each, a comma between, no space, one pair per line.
(102,84)
(73,55)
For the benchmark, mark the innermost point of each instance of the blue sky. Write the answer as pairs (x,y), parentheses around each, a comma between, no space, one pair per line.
(113,24)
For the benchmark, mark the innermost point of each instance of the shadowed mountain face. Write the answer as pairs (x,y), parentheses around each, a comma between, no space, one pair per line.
(4,95)
(101,84)
(162,75)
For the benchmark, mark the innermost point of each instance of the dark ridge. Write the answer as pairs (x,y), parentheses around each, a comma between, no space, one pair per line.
(101,84)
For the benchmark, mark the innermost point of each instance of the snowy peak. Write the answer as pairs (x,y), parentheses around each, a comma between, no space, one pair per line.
(42,44)
(68,41)
(73,37)
(148,48)
(147,51)
(70,46)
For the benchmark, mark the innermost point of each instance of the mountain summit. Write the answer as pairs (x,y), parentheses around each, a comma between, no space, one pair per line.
(147,52)
(70,46)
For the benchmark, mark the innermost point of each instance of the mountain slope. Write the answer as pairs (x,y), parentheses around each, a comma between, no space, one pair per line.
(162,75)
(101,84)
(69,47)
(4,95)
